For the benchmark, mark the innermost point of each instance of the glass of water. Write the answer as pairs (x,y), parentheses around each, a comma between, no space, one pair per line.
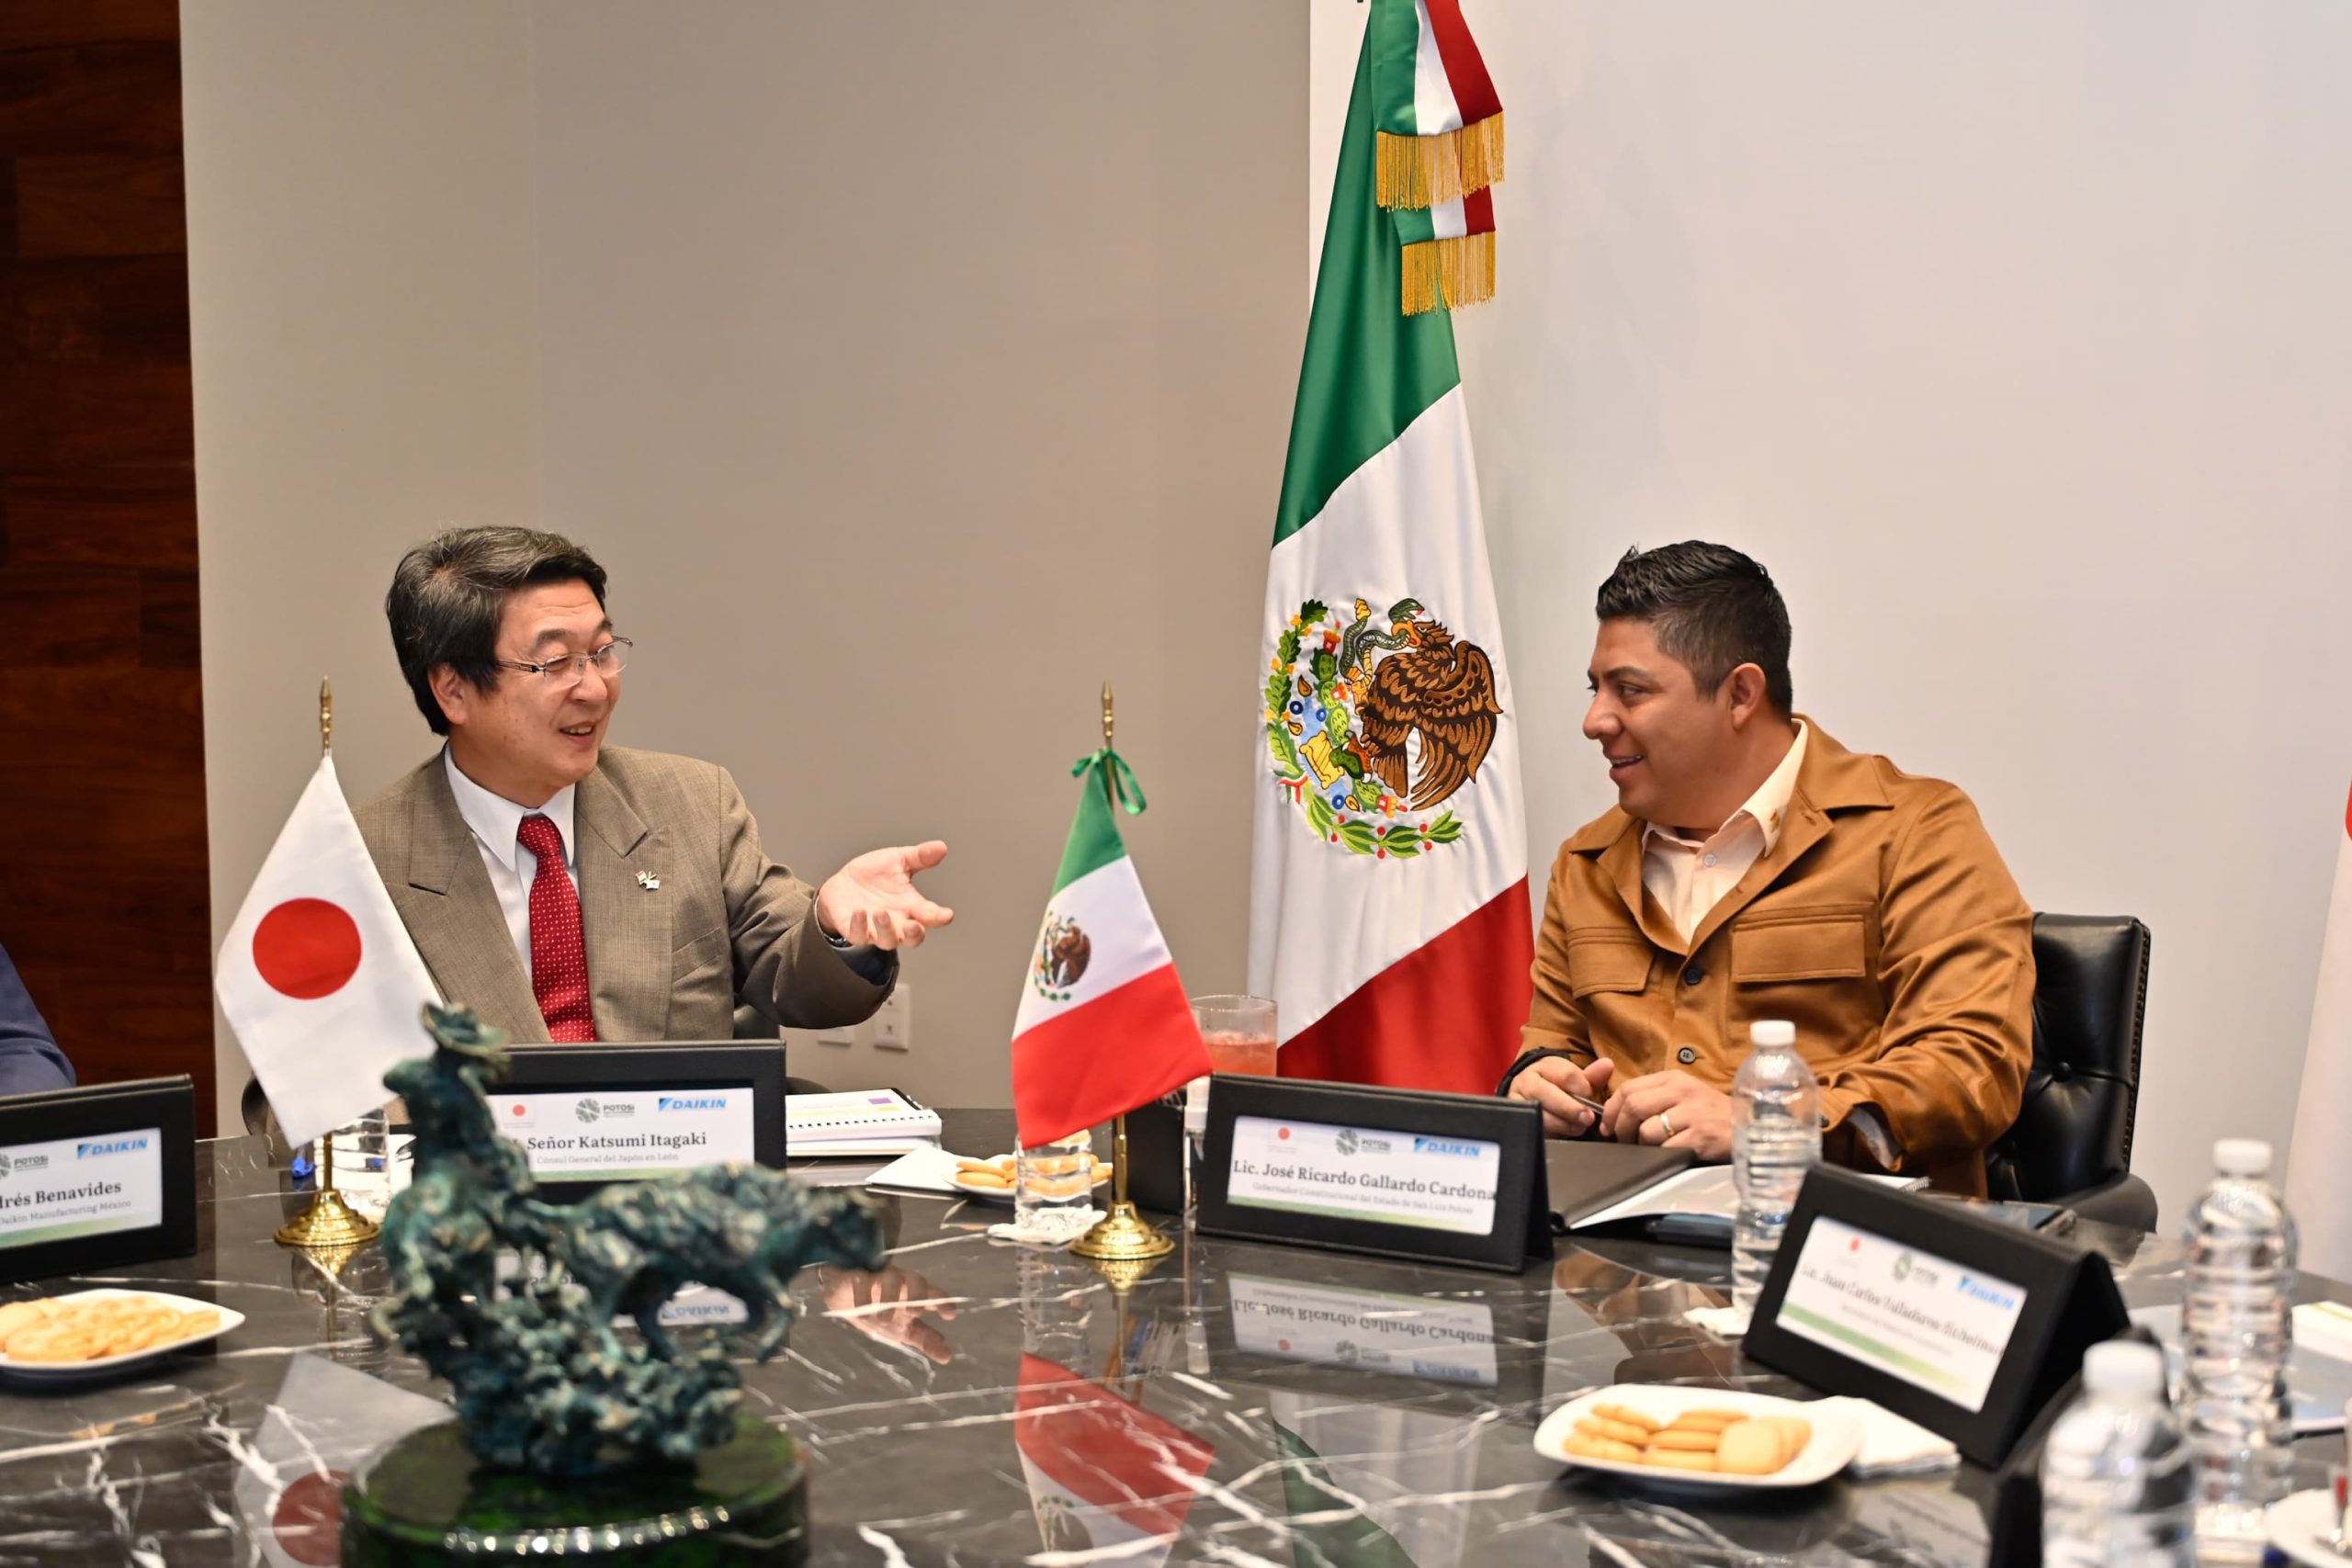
(1054,1178)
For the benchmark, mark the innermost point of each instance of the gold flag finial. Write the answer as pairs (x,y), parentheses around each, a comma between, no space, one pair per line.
(326,716)
(1106,715)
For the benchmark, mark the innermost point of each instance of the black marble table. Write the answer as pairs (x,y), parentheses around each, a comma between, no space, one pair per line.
(978,1402)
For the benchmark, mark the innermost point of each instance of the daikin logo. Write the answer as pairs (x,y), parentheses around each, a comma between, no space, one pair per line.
(1445,1147)
(109,1146)
(692,1103)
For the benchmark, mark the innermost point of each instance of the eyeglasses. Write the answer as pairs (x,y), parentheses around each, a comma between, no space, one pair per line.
(572,668)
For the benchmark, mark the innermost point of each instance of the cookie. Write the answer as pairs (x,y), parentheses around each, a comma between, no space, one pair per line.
(1795,1430)
(1751,1447)
(1599,1425)
(55,1342)
(1678,1459)
(18,1314)
(1631,1417)
(55,1332)
(1684,1440)
(1584,1446)
(1710,1420)
(1763,1445)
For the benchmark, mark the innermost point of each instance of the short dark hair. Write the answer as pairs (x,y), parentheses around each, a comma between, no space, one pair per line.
(448,593)
(1713,608)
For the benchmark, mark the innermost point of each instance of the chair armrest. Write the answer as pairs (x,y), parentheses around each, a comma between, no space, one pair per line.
(2123,1200)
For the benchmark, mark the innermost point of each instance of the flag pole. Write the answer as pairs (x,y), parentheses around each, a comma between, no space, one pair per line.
(1122,1236)
(328,1221)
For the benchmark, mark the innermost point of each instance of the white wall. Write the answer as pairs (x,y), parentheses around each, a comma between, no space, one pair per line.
(2012,337)
(361,293)
(913,369)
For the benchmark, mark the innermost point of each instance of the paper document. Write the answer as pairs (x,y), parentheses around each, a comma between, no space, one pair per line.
(925,1169)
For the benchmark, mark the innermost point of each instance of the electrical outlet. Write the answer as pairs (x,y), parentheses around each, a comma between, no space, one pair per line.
(894,1025)
(839,1035)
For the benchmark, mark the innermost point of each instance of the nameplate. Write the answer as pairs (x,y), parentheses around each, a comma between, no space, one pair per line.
(1435,1340)
(97,1177)
(585,1115)
(1442,1177)
(1961,1323)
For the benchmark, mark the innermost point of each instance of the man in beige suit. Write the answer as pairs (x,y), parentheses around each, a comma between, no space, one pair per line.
(571,890)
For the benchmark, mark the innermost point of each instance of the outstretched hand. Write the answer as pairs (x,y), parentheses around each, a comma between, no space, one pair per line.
(874,899)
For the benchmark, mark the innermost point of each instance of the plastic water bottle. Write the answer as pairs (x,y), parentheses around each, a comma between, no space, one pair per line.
(1775,1139)
(2237,1330)
(2116,1474)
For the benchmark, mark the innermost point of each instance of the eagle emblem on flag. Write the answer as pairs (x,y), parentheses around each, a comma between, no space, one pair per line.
(1063,950)
(1375,721)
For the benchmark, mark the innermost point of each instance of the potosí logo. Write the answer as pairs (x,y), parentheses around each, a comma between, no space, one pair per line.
(586,1110)
(3,1168)
(692,1103)
(1445,1147)
(106,1146)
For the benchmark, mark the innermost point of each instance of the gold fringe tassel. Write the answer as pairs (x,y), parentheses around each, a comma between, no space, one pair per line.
(1452,273)
(1420,171)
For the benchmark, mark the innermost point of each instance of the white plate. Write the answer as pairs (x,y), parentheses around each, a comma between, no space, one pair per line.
(981,1193)
(1837,1437)
(74,1371)
(2300,1526)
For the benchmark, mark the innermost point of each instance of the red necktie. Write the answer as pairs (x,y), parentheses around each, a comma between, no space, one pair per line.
(558,958)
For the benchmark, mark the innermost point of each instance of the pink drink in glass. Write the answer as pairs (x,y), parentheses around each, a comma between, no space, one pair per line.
(1241,1051)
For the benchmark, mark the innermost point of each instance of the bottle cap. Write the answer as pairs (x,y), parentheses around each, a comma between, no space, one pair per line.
(2242,1157)
(2124,1368)
(1772,1031)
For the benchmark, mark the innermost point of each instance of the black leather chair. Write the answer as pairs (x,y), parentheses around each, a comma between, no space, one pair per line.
(2072,1142)
(750,1025)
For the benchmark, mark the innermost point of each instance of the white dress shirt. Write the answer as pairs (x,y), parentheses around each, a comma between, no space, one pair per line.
(1689,878)
(495,820)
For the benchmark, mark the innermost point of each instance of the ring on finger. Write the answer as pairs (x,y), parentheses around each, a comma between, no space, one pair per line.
(1666,1121)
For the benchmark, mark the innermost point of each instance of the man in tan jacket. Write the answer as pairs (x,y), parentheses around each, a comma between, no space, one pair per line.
(1753,868)
(569,890)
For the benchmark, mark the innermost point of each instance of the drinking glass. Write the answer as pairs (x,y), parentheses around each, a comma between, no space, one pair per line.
(1240,1033)
(1053,1179)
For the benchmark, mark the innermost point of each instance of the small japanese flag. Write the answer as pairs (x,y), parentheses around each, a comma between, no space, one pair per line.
(326,1422)
(318,976)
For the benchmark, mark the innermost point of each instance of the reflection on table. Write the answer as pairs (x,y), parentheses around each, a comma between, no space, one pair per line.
(979,1402)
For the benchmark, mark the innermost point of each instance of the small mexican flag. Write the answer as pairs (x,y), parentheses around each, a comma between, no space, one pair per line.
(1104,1025)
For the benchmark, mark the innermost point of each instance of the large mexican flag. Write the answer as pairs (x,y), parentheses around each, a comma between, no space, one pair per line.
(1104,1025)
(1388,910)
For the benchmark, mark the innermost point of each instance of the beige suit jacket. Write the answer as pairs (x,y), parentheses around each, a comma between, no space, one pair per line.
(666,961)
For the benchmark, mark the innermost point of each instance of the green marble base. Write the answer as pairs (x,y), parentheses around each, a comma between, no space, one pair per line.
(427,1500)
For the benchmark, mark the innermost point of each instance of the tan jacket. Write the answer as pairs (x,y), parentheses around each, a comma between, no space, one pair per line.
(1882,924)
(666,961)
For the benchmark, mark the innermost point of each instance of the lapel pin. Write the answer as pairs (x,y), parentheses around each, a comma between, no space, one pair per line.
(647,881)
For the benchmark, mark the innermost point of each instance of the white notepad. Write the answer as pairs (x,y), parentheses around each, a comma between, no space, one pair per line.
(865,1117)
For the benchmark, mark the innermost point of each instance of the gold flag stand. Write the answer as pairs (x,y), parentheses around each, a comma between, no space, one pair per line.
(328,1221)
(1122,1236)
